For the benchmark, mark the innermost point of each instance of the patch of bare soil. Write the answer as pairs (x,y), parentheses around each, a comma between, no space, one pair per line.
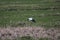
(36,32)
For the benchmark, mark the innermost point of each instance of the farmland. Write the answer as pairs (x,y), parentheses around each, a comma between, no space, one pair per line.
(44,12)
(15,13)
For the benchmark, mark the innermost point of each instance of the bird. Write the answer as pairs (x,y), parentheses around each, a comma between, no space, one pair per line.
(31,19)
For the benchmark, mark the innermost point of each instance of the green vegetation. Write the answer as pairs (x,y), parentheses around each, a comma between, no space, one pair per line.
(26,1)
(44,39)
(16,12)
(28,38)
(31,38)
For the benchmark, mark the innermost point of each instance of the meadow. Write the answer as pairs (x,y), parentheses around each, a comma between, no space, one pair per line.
(16,12)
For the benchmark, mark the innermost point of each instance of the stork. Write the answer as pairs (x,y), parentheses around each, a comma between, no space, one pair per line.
(31,19)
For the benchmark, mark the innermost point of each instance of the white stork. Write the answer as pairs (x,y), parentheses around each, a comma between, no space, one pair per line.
(31,19)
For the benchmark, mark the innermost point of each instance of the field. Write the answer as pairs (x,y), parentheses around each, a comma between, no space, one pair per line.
(44,12)
(14,13)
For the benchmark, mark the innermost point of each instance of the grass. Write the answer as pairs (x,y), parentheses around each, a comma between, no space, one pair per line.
(22,38)
(31,38)
(28,38)
(44,39)
(12,17)
(13,12)
(25,1)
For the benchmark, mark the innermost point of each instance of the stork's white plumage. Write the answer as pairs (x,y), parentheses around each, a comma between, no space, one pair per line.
(30,19)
